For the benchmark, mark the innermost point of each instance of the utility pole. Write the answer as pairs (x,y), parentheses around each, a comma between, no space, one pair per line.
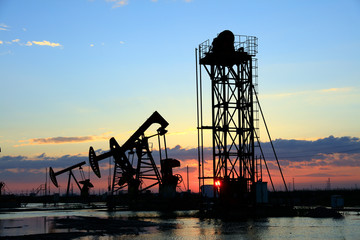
(293,184)
(187,176)
(328,184)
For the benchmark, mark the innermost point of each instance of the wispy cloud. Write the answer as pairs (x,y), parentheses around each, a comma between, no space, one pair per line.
(121,3)
(330,151)
(62,140)
(36,162)
(333,152)
(322,158)
(344,89)
(97,44)
(182,0)
(322,175)
(58,140)
(118,3)
(311,92)
(4,27)
(31,43)
(47,43)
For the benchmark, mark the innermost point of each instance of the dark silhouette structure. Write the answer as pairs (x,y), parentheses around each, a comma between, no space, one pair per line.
(236,176)
(84,190)
(134,164)
(232,71)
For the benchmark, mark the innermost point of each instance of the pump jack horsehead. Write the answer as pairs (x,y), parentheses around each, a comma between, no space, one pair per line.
(137,147)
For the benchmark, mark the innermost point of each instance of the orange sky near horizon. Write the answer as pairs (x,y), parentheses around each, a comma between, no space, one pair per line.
(303,177)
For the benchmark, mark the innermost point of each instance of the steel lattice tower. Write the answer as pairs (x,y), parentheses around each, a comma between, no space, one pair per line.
(232,69)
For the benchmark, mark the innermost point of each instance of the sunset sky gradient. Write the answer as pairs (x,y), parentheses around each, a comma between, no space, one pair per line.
(76,73)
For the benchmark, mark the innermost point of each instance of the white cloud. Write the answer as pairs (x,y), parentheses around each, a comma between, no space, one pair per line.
(118,3)
(344,89)
(47,43)
(31,43)
(91,45)
(4,27)
(310,92)
(62,140)
(121,3)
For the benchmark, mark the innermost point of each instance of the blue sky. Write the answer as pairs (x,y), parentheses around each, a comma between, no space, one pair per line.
(84,71)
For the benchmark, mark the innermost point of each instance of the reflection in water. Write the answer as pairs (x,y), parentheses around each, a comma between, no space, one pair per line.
(22,226)
(183,225)
(216,228)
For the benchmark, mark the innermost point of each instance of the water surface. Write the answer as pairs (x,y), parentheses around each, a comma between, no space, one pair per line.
(184,225)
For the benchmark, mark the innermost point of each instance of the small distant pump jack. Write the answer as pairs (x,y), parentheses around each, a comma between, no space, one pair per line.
(85,182)
(135,167)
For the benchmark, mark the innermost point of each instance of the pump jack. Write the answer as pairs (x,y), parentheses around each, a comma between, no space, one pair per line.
(85,182)
(126,175)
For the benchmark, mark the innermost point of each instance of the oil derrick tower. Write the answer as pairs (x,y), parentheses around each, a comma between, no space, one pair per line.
(230,64)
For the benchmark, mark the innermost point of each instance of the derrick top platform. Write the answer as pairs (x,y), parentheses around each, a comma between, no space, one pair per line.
(228,49)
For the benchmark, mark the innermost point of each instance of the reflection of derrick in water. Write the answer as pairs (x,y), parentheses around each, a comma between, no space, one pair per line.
(232,68)
(135,167)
